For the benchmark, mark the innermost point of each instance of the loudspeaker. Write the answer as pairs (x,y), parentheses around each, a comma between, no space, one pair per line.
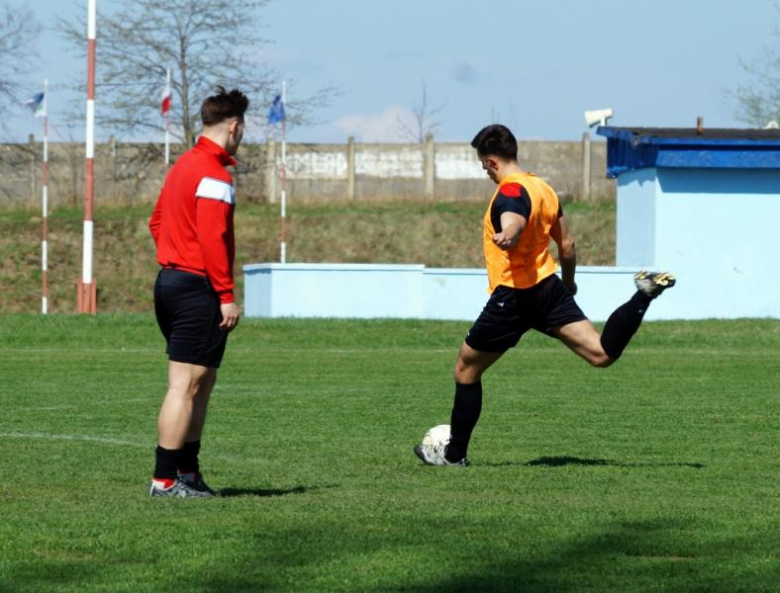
(599,116)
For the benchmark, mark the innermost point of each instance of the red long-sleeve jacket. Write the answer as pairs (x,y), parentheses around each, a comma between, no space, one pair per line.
(192,223)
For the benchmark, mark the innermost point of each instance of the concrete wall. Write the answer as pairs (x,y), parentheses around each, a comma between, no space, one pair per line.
(409,291)
(127,173)
(124,173)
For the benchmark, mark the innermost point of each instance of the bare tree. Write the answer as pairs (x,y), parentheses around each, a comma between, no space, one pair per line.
(205,43)
(425,119)
(759,101)
(18,31)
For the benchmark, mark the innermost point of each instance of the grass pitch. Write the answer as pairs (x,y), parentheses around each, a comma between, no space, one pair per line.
(658,474)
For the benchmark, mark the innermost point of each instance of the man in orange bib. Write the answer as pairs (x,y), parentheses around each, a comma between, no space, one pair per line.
(522,216)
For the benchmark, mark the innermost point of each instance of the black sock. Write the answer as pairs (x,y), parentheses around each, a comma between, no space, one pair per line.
(623,323)
(167,462)
(188,464)
(465,413)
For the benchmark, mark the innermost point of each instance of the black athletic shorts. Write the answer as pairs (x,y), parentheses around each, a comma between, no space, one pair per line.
(510,312)
(188,313)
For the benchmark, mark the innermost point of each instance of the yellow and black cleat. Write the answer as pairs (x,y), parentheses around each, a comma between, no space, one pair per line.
(653,284)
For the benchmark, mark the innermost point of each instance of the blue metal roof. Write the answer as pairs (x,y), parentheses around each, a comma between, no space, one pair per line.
(629,149)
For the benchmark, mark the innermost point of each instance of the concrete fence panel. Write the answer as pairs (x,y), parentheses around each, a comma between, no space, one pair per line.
(127,173)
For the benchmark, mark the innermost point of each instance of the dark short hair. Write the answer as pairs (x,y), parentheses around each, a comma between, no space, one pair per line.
(496,140)
(224,105)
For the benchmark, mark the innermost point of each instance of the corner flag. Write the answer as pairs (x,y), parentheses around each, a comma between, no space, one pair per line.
(276,113)
(36,105)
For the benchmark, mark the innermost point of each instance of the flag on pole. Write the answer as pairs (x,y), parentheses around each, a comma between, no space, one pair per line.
(276,113)
(165,108)
(36,105)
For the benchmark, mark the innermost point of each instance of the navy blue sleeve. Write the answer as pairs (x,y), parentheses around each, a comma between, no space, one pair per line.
(512,197)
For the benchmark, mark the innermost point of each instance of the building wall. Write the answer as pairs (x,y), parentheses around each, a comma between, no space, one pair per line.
(127,173)
(636,206)
(713,229)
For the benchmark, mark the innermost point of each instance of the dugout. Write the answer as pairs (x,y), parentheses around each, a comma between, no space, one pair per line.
(704,204)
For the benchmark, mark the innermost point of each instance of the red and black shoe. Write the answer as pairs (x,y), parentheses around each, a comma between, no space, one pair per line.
(177,488)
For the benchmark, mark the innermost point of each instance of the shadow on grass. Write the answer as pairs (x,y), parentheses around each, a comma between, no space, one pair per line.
(660,554)
(269,492)
(564,460)
(567,460)
(650,555)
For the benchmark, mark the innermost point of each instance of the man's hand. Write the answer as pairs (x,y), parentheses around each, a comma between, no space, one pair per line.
(572,286)
(504,241)
(230,314)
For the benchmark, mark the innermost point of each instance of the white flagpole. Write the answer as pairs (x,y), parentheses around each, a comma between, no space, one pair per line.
(168,122)
(45,204)
(283,248)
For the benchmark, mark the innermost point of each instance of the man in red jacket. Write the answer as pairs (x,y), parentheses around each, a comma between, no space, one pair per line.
(192,226)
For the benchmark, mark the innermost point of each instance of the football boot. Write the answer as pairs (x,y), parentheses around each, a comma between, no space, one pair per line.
(653,284)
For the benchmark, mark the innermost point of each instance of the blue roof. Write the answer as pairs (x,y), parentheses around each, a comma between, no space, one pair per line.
(629,149)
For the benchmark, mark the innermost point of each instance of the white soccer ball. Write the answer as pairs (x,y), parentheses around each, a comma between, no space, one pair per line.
(437,437)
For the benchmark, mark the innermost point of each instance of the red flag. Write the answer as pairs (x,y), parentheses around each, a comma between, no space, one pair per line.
(166,101)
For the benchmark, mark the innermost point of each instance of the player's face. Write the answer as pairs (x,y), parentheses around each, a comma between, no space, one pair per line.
(235,136)
(490,166)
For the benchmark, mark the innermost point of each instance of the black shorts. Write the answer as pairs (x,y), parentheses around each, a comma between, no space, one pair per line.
(188,313)
(511,312)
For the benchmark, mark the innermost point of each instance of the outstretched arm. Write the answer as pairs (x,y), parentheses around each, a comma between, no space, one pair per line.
(567,254)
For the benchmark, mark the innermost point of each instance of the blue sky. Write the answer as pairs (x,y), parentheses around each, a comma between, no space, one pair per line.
(535,65)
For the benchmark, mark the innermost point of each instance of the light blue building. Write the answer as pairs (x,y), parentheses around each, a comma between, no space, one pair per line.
(705,205)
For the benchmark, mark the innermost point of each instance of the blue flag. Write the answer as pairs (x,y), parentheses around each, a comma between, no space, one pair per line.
(276,113)
(35,104)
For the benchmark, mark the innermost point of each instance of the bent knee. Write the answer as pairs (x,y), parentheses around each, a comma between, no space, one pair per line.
(466,373)
(601,361)
(460,371)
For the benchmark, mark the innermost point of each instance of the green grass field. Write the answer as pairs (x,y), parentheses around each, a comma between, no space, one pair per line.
(658,474)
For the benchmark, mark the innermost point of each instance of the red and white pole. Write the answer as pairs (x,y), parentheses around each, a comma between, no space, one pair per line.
(45,204)
(87,292)
(283,246)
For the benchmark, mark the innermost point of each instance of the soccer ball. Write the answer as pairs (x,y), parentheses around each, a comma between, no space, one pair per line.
(437,437)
